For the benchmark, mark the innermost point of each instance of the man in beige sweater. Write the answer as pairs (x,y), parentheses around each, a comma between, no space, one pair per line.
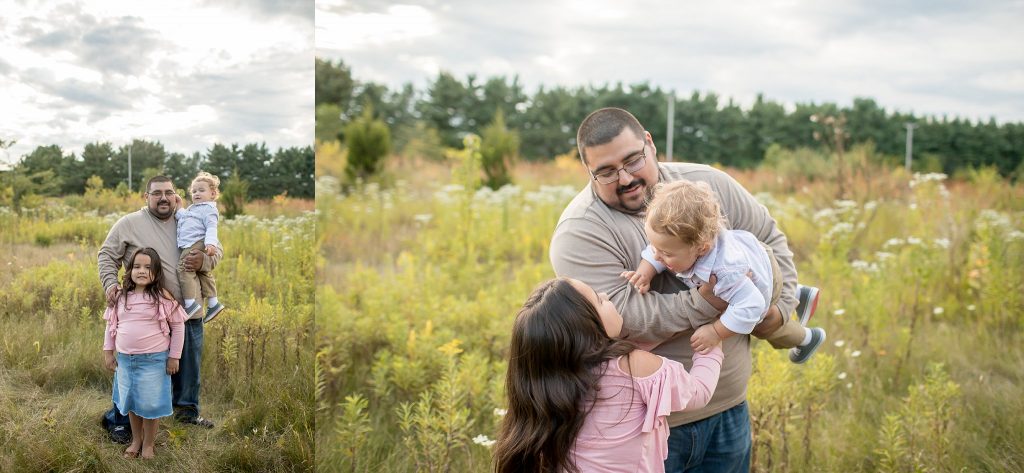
(601,234)
(154,226)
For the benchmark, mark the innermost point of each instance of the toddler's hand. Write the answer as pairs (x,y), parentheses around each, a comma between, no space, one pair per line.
(639,280)
(109,360)
(172,365)
(704,339)
(211,250)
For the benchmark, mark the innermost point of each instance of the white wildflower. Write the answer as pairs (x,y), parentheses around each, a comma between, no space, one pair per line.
(870,205)
(483,440)
(839,343)
(860,265)
(839,228)
(913,206)
(941,242)
(842,375)
(849,385)
(913,241)
(839,312)
(938,310)
(893,242)
(500,412)
(423,218)
(883,255)
(971,307)
(855,353)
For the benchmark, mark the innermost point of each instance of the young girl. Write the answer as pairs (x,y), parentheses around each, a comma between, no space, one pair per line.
(581,399)
(197,230)
(688,237)
(146,326)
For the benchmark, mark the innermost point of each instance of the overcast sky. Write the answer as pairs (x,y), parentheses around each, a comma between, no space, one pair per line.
(954,58)
(185,73)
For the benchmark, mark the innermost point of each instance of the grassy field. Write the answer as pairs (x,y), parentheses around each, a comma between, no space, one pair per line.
(257,384)
(923,283)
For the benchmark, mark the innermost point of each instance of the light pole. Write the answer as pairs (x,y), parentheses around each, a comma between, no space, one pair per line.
(910,143)
(670,124)
(130,143)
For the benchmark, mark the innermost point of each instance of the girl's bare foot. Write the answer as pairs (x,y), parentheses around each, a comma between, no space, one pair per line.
(148,453)
(132,451)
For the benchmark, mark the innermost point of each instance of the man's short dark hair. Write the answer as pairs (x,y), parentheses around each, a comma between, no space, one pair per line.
(602,126)
(156,179)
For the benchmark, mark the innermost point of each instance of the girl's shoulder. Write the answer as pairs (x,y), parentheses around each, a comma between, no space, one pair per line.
(640,363)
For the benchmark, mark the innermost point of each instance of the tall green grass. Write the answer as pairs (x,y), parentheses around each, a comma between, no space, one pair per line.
(257,379)
(923,301)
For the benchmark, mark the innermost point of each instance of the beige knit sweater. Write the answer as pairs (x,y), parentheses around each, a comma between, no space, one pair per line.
(595,243)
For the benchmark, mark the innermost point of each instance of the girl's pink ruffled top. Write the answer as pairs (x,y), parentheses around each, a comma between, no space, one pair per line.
(139,325)
(627,430)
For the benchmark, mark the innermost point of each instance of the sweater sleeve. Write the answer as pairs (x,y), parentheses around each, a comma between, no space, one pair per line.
(744,212)
(111,254)
(588,251)
(672,389)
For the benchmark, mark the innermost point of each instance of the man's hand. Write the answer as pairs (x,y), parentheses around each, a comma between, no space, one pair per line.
(707,291)
(211,250)
(704,339)
(109,360)
(112,293)
(172,365)
(194,260)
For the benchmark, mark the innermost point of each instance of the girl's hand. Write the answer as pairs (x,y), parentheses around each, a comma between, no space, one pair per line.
(109,360)
(172,365)
(704,339)
(211,250)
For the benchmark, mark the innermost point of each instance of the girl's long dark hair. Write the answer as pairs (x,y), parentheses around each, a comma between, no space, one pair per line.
(155,289)
(558,342)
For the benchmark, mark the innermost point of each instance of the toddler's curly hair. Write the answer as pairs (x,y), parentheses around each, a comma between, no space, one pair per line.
(686,210)
(208,178)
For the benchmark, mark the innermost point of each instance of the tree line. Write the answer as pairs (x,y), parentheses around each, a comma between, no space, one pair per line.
(52,171)
(707,128)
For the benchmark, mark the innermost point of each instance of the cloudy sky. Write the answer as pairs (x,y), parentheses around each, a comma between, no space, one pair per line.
(185,73)
(927,57)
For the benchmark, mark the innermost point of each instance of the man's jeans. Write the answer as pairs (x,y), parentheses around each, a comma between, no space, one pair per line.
(185,383)
(720,443)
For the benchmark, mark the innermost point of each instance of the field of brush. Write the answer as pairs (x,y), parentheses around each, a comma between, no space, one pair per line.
(923,300)
(257,356)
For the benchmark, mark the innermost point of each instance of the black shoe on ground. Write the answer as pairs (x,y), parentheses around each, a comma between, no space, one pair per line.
(120,434)
(197,420)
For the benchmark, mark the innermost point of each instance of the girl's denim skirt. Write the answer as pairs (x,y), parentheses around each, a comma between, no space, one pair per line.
(142,385)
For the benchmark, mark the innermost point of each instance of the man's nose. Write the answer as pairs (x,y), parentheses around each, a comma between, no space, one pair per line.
(624,177)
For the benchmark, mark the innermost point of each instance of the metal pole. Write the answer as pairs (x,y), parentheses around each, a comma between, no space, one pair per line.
(670,124)
(910,144)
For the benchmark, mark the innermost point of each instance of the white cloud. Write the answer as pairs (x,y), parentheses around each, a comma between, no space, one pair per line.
(913,56)
(186,73)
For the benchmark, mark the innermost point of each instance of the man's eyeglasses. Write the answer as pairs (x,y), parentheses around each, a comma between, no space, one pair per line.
(168,194)
(632,165)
